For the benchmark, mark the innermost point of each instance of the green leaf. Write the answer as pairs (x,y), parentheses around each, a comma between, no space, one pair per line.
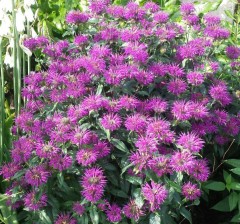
(119,145)
(235,186)
(227,204)
(134,180)
(236,171)
(154,218)
(215,186)
(186,214)
(236,218)
(94,215)
(233,162)
(118,193)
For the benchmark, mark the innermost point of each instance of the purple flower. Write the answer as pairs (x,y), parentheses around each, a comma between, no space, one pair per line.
(190,141)
(191,191)
(199,170)
(78,208)
(160,129)
(136,122)
(132,211)
(140,160)
(156,105)
(37,175)
(8,170)
(111,122)
(233,52)
(220,93)
(175,71)
(86,157)
(195,78)
(212,20)
(34,43)
(98,6)
(60,162)
(177,86)
(160,165)
(151,6)
(65,219)
(114,213)
(187,8)
(137,51)
(181,161)
(161,17)
(93,183)
(221,117)
(80,39)
(76,17)
(102,149)
(34,202)
(146,144)
(128,102)
(155,194)
(80,137)
(181,110)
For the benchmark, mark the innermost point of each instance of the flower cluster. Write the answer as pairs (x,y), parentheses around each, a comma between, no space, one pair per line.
(120,113)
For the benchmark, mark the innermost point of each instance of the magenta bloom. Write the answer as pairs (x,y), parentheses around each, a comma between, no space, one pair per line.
(65,219)
(155,194)
(114,213)
(139,160)
(220,93)
(60,162)
(132,211)
(182,110)
(80,39)
(93,183)
(111,122)
(76,17)
(156,105)
(233,52)
(8,170)
(195,78)
(200,170)
(187,8)
(86,157)
(37,175)
(34,202)
(34,43)
(212,20)
(177,86)
(182,161)
(80,137)
(190,141)
(78,208)
(160,165)
(191,191)
(146,144)
(161,17)
(136,122)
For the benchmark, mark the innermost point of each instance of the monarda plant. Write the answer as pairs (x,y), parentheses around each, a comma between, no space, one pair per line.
(118,117)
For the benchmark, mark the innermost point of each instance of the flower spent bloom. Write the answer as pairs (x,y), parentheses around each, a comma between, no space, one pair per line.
(132,211)
(111,121)
(155,194)
(114,213)
(65,219)
(191,191)
(93,183)
(34,202)
(190,141)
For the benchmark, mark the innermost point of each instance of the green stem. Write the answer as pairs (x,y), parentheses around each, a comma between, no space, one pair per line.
(28,59)
(19,74)
(15,86)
